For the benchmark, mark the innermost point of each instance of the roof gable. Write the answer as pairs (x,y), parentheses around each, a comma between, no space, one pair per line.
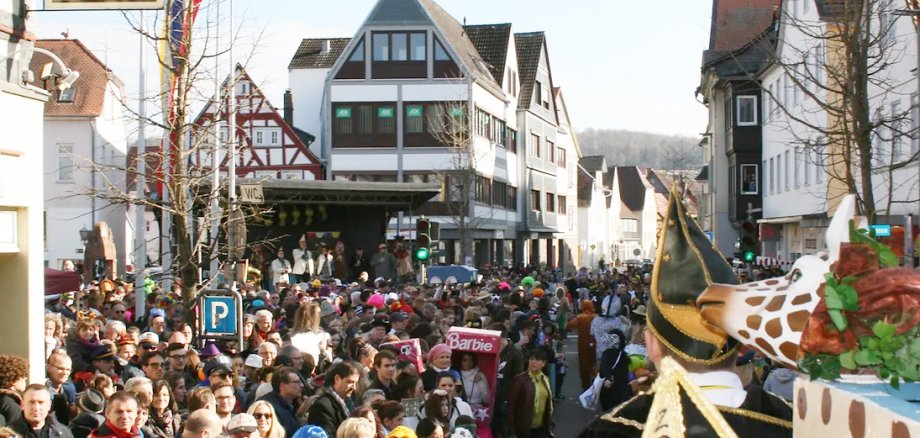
(89,90)
(398,13)
(491,41)
(310,53)
(735,23)
(632,187)
(593,163)
(529,50)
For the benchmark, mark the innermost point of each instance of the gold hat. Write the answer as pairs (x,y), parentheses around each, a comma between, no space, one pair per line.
(686,265)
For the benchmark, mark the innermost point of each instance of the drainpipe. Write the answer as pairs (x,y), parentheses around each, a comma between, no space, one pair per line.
(92,153)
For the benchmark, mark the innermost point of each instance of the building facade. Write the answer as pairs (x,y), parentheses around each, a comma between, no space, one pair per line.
(414,96)
(85,146)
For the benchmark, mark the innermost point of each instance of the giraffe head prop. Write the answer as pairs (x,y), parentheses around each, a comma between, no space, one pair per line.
(770,315)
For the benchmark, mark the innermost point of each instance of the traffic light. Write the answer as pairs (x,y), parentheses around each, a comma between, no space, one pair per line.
(422,239)
(749,241)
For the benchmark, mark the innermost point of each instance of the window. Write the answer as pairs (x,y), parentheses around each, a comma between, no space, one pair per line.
(772,177)
(66,96)
(499,131)
(797,166)
(914,123)
(444,66)
(354,67)
(266,174)
(291,174)
(546,96)
(769,103)
(786,167)
(796,77)
(747,111)
(550,202)
(511,140)
(274,137)
(806,166)
(400,55)
(550,152)
(535,200)
(65,161)
(381,47)
(512,198)
(535,145)
(749,182)
(537,91)
(561,207)
(819,63)
(763,165)
(364,125)
(560,157)
(259,138)
(415,119)
(425,122)
(819,166)
(244,88)
(787,90)
(896,118)
(499,194)
(483,124)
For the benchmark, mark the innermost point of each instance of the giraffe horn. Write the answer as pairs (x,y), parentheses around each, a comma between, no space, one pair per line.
(838,231)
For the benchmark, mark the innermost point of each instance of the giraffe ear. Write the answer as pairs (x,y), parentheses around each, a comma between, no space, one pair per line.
(838,231)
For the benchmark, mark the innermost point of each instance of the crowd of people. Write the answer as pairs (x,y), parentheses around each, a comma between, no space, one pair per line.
(319,359)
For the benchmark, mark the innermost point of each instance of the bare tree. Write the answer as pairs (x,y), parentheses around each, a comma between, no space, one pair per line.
(842,67)
(187,189)
(451,126)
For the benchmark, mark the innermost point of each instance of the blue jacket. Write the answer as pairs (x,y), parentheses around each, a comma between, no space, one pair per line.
(284,412)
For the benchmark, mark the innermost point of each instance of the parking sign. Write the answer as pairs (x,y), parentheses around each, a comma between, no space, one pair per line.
(220,315)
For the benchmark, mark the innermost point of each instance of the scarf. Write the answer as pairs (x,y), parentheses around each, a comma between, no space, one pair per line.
(163,421)
(118,433)
(337,398)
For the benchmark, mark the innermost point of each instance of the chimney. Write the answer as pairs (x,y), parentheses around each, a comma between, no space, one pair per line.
(289,107)
(327,46)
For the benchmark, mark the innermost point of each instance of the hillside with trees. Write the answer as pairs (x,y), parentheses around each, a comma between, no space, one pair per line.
(625,148)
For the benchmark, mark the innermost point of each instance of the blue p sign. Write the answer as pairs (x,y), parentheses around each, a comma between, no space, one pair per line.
(220,315)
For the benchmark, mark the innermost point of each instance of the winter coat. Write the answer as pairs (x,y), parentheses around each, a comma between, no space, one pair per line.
(328,412)
(85,423)
(107,430)
(521,403)
(79,351)
(10,406)
(510,364)
(51,429)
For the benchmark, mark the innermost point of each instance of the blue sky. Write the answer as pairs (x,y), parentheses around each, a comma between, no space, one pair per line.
(621,65)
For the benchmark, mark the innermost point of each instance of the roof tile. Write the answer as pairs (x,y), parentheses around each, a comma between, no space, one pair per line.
(529,48)
(310,53)
(89,89)
(491,40)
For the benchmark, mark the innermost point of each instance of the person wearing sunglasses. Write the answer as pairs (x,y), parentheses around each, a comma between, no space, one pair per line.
(153,363)
(266,423)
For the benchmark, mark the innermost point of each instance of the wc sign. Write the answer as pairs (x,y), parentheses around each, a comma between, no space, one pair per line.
(221,315)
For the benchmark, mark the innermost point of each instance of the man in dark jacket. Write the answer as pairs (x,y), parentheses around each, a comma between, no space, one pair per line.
(530,403)
(287,386)
(332,408)
(34,421)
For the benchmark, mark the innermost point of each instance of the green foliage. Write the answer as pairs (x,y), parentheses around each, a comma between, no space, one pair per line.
(821,366)
(839,297)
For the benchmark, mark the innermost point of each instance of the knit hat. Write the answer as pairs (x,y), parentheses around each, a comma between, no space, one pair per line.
(310,431)
(437,350)
(326,308)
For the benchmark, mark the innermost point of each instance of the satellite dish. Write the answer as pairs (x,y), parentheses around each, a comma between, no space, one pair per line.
(636,252)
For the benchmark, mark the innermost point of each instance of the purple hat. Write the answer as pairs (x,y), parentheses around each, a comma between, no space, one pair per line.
(209,350)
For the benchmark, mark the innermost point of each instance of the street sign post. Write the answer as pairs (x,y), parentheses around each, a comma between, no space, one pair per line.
(220,315)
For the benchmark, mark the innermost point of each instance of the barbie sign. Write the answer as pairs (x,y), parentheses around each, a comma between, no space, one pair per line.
(477,341)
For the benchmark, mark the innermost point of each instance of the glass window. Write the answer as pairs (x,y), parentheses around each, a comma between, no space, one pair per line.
(806,165)
(535,200)
(358,54)
(365,119)
(65,161)
(772,176)
(259,139)
(535,145)
(66,95)
(439,53)
(400,50)
(386,120)
(747,110)
(343,120)
(381,47)
(415,119)
(749,179)
(797,164)
(274,137)
(418,46)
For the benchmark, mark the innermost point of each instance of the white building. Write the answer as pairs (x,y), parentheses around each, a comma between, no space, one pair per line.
(593,212)
(21,183)
(410,73)
(85,148)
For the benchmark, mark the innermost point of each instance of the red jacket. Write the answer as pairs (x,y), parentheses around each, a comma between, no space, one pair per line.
(521,404)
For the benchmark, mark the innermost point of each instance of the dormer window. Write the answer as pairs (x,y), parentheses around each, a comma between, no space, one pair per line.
(66,95)
(399,55)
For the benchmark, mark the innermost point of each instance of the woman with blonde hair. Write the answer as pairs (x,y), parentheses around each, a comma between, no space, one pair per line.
(356,428)
(266,421)
(308,336)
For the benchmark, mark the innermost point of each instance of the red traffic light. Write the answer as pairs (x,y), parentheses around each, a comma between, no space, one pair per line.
(423,240)
(748,227)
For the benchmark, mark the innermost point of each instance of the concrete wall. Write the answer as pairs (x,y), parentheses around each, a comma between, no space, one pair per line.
(307,87)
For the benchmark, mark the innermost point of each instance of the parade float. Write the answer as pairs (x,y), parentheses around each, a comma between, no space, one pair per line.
(847,319)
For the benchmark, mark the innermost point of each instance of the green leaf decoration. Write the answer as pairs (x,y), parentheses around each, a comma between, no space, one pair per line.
(847,360)
(886,257)
(914,348)
(840,321)
(883,330)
